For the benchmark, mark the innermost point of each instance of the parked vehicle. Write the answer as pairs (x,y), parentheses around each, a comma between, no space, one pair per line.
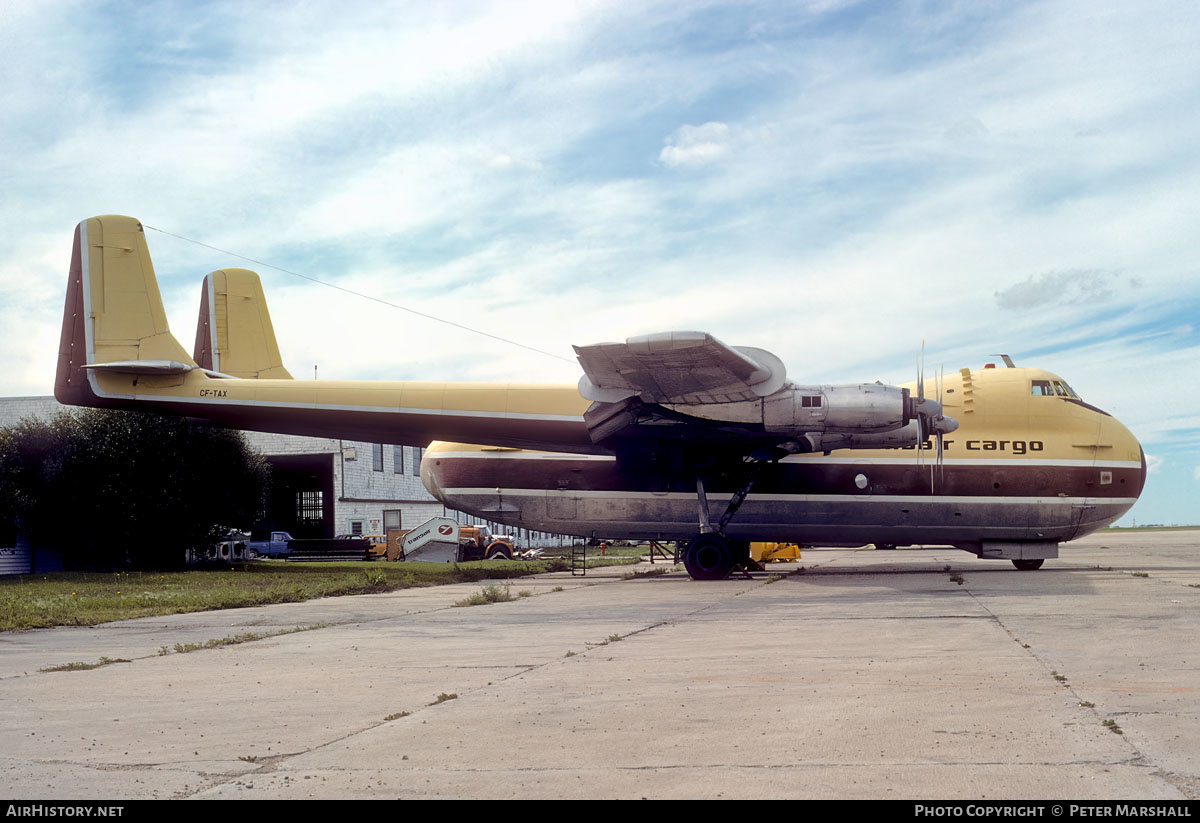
(478,543)
(277,546)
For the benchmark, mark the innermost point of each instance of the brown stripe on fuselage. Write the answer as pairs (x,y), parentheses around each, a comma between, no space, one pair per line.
(1007,479)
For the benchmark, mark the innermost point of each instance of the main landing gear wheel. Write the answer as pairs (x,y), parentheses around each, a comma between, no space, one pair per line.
(1028,565)
(708,557)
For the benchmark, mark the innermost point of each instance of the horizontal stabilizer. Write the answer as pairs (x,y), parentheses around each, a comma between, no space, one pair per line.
(146,367)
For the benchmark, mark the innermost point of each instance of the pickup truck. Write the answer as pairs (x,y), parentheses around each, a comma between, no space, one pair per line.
(277,546)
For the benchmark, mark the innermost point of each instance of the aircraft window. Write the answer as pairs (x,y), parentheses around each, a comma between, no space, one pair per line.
(1041,388)
(1070,391)
(810,401)
(1058,387)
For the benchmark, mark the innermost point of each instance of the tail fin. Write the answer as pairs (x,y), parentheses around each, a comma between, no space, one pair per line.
(234,334)
(114,326)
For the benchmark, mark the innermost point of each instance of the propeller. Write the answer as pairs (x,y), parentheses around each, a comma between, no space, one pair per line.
(930,420)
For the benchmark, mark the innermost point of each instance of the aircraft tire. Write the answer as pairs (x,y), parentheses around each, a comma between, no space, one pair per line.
(708,557)
(1028,565)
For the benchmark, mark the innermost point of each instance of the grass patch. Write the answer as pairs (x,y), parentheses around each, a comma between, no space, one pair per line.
(233,640)
(83,667)
(35,601)
(396,716)
(488,594)
(612,638)
(956,578)
(443,697)
(1112,726)
(1140,574)
(1087,704)
(1061,678)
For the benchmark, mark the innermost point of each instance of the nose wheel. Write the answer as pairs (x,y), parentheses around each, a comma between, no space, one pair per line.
(1028,565)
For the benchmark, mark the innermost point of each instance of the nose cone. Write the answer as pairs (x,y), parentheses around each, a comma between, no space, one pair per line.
(1118,444)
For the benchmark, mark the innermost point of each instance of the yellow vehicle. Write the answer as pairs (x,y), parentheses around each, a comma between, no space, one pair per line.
(774,552)
(378,543)
(478,543)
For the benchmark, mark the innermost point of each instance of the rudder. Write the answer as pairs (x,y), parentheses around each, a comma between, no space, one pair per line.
(113,314)
(234,335)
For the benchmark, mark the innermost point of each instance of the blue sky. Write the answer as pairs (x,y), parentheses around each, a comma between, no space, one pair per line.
(832,181)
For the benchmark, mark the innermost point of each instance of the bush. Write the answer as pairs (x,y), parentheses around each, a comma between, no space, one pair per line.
(118,489)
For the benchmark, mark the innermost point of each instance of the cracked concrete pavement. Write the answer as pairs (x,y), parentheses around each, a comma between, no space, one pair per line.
(865,674)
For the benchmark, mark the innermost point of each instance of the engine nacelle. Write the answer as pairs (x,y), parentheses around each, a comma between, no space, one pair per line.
(866,408)
(824,418)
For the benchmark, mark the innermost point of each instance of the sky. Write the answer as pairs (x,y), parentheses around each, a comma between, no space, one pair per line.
(836,182)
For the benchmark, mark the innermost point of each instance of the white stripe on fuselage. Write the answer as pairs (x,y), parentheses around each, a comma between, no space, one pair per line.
(793,498)
(908,462)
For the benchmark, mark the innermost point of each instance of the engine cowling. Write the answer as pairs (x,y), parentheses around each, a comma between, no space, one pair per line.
(865,408)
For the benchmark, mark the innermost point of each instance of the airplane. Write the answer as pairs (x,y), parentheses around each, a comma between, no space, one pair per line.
(1005,464)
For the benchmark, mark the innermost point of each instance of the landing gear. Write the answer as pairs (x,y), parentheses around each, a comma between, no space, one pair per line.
(712,557)
(1028,565)
(885,547)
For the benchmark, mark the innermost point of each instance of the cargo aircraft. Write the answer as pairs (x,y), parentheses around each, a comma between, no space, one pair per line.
(673,436)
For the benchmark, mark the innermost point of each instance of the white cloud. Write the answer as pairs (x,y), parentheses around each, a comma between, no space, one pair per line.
(696,145)
(1057,288)
(1154,464)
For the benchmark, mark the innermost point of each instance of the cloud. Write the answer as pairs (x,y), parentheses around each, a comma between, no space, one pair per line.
(696,145)
(1058,288)
(1196,474)
(1154,464)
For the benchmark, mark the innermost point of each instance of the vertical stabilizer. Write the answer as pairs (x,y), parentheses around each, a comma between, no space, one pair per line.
(113,315)
(234,334)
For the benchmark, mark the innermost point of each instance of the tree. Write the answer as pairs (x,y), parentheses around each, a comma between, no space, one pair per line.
(109,488)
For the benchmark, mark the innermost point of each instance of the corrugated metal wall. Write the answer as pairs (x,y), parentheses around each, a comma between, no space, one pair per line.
(14,560)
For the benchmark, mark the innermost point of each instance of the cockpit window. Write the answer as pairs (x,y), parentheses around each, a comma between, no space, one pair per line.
(1051,388)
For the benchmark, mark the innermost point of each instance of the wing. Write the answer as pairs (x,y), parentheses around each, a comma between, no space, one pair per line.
(681,367)
(690,390)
